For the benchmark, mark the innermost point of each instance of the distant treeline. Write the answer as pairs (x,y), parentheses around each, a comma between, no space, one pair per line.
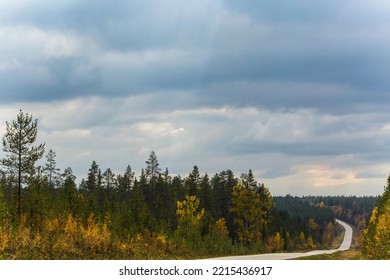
(351,209)
(355,210)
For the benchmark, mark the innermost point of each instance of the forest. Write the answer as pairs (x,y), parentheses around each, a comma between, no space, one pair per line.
(44,214)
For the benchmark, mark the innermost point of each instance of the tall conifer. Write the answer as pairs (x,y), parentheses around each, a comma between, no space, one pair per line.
(21,155)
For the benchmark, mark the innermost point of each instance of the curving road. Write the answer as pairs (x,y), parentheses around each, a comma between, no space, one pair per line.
(345,245)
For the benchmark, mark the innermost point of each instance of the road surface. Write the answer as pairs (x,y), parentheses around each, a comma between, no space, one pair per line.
(345,245)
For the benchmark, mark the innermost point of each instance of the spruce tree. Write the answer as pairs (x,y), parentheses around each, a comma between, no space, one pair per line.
(193,181)
(69,191)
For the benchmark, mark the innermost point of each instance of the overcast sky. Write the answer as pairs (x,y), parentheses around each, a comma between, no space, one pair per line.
(298,91)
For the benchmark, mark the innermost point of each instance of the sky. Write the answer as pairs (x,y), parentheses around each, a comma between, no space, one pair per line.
(297,91)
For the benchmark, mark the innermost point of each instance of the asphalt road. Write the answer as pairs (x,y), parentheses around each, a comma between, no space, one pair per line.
(345,245)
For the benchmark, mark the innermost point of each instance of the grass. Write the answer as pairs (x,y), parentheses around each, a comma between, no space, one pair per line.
(340,255)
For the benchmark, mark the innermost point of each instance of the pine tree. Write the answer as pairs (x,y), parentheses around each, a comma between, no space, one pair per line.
(152,169)
(152,189)
(248,180)
(94,178)
(108,179)
(93,187)
(128,177)
(21,155)
(51,170)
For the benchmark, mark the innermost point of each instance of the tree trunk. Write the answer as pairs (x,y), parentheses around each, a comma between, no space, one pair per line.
(19,210)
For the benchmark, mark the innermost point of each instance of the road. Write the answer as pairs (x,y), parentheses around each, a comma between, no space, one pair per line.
(345,245)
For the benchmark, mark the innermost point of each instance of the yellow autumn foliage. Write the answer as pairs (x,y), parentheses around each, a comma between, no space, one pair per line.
(313,225)
(4,239)
(52,225)
(187,211)
(246,208)
(162,238)
(71,236)
(310,243)
(221,228)
(189,221)
(95,237)
(376,237)
(275,243)
(383,228)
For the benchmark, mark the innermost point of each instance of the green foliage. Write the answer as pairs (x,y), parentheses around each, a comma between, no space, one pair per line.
(300,215)
(221,194)
(192,184)
(247,212)
(38,200)
(68,193)
(17,143)
(21,155)
(4,212)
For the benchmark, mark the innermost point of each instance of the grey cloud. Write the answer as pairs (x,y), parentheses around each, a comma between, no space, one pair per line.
(120,131)
(285,11)
(349,12)
(276,172)
(252,54)
(123,25)
(253,84)
(311,148)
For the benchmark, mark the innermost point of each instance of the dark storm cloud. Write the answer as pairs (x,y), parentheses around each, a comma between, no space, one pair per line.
(58,81)
(123,28)
(266,54)
(295,90)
